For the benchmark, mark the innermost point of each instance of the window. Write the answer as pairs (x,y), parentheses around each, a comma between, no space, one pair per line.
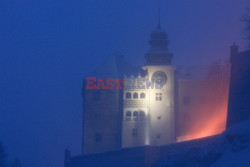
(186,100)
(110,96)
(142,115)
(159,117)
(98,137)
(134,132)
(186,117)
(96,96)
(142,96)
(135,96)
(98,116)
(135,116)
(158,96)
(128,95)
(202,100)
(128,116)
(158,136)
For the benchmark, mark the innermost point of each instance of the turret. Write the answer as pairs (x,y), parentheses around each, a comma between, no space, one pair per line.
(158,53)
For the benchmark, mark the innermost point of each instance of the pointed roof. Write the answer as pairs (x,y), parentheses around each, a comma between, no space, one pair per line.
(158,53)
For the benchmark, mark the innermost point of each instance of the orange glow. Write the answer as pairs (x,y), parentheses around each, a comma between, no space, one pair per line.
(209,119)
(216,124)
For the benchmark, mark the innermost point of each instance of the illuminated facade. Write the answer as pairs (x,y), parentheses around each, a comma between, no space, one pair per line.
(180,108)
(149,111)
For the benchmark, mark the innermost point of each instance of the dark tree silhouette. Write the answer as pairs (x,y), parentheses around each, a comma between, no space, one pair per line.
(246,20)
(2,156)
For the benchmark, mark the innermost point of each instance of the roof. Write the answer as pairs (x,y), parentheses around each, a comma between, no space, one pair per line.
(115,67)
(193,73)
(138,156)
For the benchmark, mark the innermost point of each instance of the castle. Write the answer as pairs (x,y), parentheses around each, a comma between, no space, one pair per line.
(141,114)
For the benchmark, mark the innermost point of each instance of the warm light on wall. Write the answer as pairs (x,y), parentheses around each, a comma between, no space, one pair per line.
(210,119)
(216,124)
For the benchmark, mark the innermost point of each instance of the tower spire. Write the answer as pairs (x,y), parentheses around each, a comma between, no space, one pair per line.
(159,18)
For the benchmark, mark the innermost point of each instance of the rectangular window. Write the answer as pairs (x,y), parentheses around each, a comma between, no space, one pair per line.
(98,116)
(158,96)
(110,96)
(134,132)
(96,96)
(186,117)
(202,100)
(98,137)
(186,100)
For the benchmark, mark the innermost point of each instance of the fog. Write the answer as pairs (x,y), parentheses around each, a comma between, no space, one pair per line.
(47,47)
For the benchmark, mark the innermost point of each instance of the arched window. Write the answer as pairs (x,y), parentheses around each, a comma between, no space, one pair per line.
(142,96)
(128,116)
(135,96)
(128,95)
(142,115)
(135,115)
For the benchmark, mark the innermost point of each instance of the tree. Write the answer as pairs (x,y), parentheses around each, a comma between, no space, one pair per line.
(246,19)
(2,156)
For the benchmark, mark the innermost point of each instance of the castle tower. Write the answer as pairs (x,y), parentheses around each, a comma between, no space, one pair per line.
(148,114)
(161,101)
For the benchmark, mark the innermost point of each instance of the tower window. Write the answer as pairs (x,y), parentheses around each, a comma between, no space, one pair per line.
(128,95)
(128,116)
(159,117)
(142,96)
(135,96)
(134,132)
(158,96)
(135,116)
(186,100)
(158,136)
(98,137)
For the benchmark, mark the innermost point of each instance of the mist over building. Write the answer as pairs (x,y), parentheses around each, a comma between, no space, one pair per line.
(186,107)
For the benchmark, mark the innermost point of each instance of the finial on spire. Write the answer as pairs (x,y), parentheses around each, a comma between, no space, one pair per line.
(159,18)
